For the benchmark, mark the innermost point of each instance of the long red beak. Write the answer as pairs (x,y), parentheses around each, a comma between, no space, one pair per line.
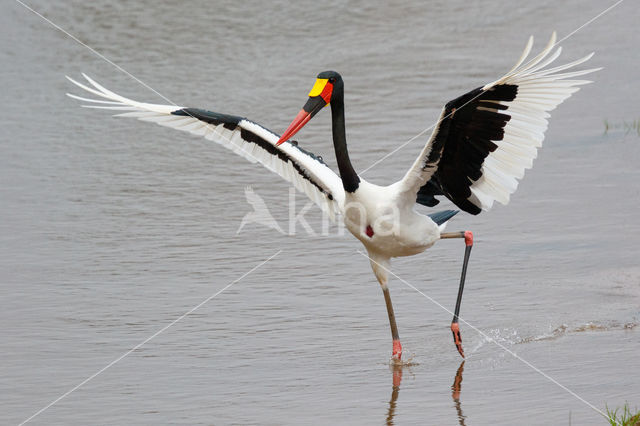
(298,123)
(314,104)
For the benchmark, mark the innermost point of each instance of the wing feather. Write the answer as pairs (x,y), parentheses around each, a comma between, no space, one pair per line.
(306,171)
(486,139)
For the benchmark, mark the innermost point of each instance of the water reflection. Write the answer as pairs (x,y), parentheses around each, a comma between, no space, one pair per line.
(397,378)
(456,388)
(455,393)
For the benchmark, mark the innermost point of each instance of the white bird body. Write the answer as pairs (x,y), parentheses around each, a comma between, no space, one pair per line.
(398,229)
(480,147)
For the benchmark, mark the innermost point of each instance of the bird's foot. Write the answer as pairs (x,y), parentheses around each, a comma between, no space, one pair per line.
(397,351)
(457,339)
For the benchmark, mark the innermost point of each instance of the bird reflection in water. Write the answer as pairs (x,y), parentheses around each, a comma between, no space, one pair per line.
(455,393)
(397,378)
(456,388)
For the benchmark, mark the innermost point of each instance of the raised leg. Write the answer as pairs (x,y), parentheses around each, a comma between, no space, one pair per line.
(397,347)
(455,327)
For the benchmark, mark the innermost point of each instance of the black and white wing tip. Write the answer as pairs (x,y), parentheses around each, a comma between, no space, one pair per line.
(540,89)
(486,139)
(306,171)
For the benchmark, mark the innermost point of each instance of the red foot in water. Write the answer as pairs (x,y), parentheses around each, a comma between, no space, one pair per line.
(397,350)
(457,339)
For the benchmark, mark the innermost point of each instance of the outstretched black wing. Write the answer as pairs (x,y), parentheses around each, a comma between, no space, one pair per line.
(467,134)
(486,139)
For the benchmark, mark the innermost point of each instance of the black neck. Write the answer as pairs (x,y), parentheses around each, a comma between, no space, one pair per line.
(350,179)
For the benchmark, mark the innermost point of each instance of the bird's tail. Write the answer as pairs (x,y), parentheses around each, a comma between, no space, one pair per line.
(441,218)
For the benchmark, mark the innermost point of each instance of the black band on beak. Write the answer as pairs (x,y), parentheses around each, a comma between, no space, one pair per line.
(314,105)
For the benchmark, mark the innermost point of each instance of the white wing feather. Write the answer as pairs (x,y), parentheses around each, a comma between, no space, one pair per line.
(539,90)
(306,172)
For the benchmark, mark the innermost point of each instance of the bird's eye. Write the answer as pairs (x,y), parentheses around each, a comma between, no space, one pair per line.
(332,80)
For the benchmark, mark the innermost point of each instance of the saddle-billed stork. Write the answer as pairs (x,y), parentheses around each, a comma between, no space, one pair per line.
(480,147)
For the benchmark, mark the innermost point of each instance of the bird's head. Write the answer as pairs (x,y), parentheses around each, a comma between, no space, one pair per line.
(327,84)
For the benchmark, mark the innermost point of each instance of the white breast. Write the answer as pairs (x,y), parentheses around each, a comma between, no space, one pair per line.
(374,216)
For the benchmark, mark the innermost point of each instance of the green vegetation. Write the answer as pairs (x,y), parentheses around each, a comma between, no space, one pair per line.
(626,126)
(625,418)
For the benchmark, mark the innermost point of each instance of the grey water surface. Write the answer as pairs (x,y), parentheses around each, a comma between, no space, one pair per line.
(111,229)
